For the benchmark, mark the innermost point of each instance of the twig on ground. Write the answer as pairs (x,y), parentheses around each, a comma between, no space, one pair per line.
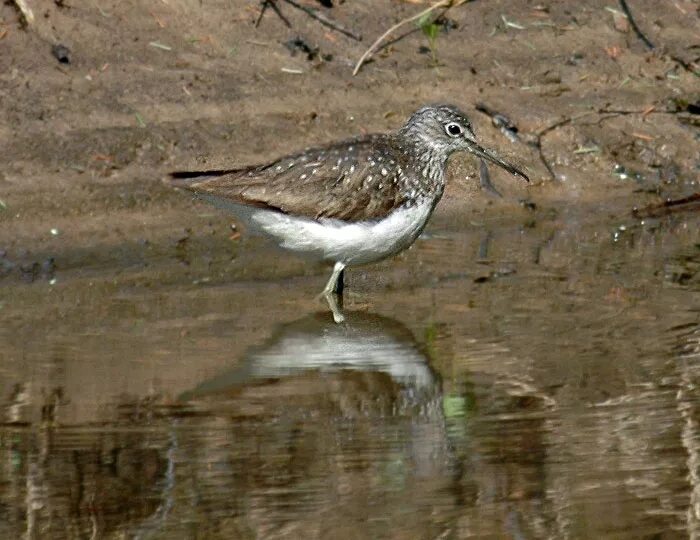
(26,11)
(543,159)
(500,121)
(691,67)
(445,4)
(690,203)
(315,14)
(633,24)
(605,114)
(644,112)
(263,8)
(548,129)
(271,3)
(511,24)
(398,38)
(159,45)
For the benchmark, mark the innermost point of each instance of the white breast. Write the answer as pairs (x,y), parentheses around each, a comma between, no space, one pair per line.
(350,243)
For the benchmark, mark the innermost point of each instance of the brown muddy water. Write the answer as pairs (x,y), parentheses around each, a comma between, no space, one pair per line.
(528,369)
(522,378)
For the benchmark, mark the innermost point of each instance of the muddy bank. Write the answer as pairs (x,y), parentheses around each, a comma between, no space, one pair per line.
(147,90)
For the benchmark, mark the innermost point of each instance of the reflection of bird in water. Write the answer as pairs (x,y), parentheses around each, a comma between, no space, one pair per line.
(324,414)
(367,344)
(319,428)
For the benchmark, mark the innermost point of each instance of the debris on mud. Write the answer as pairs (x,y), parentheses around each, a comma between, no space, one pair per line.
(625,174)
(424,19)
(26,11)
(500,121)
(299,44)
(688,104)
(311,12)
(446,24)
(628,15)
(495,274)
(61,53)
(691,203)
(528,204)
(29,271)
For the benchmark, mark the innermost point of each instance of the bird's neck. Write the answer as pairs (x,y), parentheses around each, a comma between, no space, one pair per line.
(428,156)
(431,162)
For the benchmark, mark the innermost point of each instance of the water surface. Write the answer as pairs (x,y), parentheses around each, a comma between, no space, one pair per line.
(533,377)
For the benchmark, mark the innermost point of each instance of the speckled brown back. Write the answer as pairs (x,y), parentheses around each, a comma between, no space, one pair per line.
(355,180)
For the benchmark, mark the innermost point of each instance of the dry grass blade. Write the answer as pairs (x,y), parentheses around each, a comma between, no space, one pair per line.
(446,4)
(26,11)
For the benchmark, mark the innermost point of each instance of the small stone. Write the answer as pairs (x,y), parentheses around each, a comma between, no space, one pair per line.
(61,53)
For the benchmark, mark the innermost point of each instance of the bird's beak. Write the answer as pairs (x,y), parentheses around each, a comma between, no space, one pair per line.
(491,156)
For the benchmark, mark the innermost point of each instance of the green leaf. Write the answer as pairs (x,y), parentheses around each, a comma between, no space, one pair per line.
(431,30)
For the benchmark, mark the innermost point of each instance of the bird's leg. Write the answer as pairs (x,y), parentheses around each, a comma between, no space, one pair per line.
(340,284)
(332,288)
(333,280)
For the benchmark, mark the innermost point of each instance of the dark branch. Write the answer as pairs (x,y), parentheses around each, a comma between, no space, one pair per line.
(640,34)
(315,14)
(271,3)
(686,204)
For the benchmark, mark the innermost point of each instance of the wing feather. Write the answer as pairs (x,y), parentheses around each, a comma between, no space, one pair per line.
(353,180)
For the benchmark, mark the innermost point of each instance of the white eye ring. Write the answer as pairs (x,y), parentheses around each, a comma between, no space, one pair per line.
(453,129)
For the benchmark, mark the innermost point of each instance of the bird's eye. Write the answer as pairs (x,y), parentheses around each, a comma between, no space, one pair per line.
(453,129)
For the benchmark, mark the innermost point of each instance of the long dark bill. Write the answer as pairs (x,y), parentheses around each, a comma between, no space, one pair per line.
(491,156)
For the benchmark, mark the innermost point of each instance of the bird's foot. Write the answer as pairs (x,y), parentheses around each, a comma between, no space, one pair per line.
(335,308)
(334,292)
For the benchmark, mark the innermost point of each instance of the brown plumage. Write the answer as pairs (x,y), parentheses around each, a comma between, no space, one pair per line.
(352,180)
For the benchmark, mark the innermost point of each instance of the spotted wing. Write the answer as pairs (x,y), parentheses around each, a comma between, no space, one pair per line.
(352,181)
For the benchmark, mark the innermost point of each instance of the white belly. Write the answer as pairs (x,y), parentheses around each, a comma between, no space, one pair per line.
(350,243)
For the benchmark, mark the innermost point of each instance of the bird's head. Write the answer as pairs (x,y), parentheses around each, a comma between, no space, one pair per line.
(444,129)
